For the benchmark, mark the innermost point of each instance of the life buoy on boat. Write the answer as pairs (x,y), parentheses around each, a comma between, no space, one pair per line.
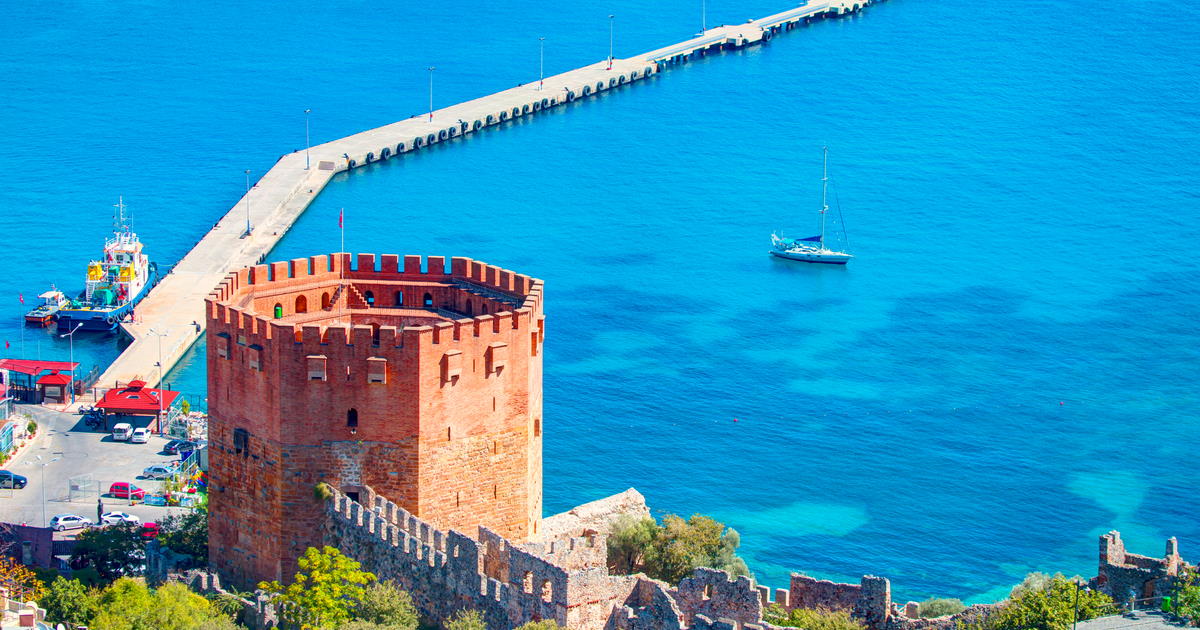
(110,319)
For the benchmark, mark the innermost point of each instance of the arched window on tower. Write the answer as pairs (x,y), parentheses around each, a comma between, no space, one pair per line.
(352,420)
(301,304)
(325,301)
(470,308)
(428,299)
(370,298)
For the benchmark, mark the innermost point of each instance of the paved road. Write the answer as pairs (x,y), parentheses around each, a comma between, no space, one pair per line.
(1139,620)
(70,449)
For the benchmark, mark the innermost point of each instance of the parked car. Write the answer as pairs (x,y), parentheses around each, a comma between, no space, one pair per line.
(62,522)
(172,447)
(10,479)
(115,518)
(126,490)
(122,431)
(149,530)
(140,435)
(158,471)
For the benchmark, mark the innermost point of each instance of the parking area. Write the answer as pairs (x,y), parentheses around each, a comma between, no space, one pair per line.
(79,464)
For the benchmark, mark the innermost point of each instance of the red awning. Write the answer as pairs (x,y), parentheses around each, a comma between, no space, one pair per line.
(54,378)
(31,367)
(136,400)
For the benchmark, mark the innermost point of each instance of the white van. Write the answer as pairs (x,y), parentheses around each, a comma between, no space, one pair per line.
(122,432)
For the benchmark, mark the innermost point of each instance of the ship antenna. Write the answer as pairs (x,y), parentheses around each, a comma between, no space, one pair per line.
(119,221)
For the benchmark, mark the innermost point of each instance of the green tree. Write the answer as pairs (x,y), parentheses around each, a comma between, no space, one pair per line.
(386,604)
(128,604)
(327,588)
(466,620)
(810,619)
(68,601)
(1045,602)
(1186,600)
(545,624)
(186,533)
(939,607)
(631,537)
(114,551)
(671,551)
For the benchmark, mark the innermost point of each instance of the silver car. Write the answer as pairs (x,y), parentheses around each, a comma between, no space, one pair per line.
(158,471)
(61,522)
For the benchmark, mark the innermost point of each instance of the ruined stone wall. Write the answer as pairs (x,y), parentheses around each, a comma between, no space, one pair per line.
(1125,576)
(446,571)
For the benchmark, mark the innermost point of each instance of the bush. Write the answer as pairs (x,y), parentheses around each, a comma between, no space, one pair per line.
(545,624)
(31,428)
(186,533)
(1044,602)
(810,619)
(386,604)
(322,492)
(935,607)
(1186,601)
(671,551)
(466,620)
(68,601)
(130,605)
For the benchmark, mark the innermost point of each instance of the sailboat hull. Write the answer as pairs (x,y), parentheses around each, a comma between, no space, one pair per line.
(823,258)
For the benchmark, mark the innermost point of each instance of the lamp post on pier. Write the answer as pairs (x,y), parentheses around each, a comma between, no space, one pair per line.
(541,62)
(43,465)
(702,16)
(307,142)
(160,335)
(71,379)
(431,69)
(248,228)
(610,40)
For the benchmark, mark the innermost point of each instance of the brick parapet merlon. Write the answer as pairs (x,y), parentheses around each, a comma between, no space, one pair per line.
(447,570)
(1125,576)
(229,302)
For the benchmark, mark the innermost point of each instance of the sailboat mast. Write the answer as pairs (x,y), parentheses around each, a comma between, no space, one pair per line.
(824,191)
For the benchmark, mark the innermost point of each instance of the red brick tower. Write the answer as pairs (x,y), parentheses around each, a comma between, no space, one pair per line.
(424,385)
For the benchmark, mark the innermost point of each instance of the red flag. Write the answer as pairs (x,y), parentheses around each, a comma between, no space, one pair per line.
(340,212)
(21,296)
(6,344)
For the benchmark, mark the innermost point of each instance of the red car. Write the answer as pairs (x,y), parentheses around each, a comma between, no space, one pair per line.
(149,530)
(125,490)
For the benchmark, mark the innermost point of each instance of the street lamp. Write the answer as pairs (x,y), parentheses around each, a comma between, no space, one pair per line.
(160,335)
(610,41)
(702,16)
(307,142)
(431,69)
(71,379)
(541,61)
(247,202)
(43,464)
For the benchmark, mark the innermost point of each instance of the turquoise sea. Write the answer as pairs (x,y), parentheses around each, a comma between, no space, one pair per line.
(1007,369)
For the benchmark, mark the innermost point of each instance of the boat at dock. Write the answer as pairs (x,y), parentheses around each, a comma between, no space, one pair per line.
(811,249)
(115,282)
(44,313)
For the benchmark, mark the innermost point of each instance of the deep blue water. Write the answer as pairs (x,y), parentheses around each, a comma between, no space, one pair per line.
(1007,369)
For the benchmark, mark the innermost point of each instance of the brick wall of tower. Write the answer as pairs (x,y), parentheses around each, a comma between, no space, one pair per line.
(459,446)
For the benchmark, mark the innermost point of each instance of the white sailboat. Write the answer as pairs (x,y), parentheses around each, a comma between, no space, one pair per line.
(811,249)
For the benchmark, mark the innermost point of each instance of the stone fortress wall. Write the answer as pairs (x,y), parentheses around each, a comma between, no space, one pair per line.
(421,383)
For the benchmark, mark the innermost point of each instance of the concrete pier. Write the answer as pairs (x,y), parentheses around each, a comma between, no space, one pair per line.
(174,310)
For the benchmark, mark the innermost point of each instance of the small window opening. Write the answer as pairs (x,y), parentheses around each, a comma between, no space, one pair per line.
(495,447)
(447,434)
(352,418)
(457,501)
(325,301)
(470,308)
(278,311)
(428,300)
(399,298)
(301,304)
(483,308)
(370,298)
(537,427)
(527,582)
(495,492)
(708,591)
(493,403)
(546,591)
(241,442)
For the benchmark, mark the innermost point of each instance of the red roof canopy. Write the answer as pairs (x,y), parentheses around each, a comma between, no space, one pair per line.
(33,368)
(136,400)
(54,378)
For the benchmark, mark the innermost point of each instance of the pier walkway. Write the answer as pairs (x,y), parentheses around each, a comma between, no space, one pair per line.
(171,317)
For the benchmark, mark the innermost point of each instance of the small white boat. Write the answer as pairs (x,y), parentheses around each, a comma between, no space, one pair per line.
(811,249)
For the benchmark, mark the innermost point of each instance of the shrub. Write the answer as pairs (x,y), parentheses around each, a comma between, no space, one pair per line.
(1044,602)
(31,428)
(545,624)
(386,604)
(810,619)
(322,492)
(671,551)
(939,607)
(326,589)
(466,620)
(68,601)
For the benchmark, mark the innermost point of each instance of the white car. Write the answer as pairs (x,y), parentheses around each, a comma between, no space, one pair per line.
(122,431)
(141,435)
(116,518)
(68,521)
